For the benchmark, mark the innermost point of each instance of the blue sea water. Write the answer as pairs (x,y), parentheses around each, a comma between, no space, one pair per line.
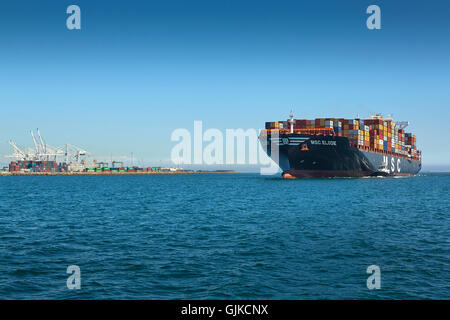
(224,236)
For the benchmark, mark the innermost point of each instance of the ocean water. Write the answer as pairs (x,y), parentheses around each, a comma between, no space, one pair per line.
(224,236)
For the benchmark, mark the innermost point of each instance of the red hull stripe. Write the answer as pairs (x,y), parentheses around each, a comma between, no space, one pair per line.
(331,173)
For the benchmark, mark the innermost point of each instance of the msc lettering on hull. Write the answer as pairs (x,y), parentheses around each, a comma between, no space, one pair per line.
(391,164)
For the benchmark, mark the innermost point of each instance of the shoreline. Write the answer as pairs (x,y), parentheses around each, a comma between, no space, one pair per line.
(10,174)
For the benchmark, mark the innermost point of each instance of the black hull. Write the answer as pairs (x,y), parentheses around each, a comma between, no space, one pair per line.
(316,156)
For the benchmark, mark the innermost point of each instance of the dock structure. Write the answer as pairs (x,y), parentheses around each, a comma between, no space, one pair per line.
(44,159)
(117,173)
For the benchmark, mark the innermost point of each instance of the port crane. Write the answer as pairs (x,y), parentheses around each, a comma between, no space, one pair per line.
(74,152)
(44,152)
(17,153)
(117,162)
(400,125)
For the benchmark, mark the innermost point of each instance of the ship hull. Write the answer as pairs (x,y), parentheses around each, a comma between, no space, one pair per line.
(318,156)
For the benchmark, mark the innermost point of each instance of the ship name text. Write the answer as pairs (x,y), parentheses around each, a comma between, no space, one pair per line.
(324,142)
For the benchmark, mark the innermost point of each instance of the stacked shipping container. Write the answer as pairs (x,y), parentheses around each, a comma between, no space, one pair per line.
(34,166)
(52,166)
(376,134)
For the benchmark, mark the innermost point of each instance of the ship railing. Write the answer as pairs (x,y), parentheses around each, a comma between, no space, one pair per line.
(312,131)
(400,155)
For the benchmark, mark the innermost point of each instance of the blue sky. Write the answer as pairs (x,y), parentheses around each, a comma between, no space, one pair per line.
(137,70)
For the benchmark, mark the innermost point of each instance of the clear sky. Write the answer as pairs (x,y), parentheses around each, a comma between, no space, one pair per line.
(137,70)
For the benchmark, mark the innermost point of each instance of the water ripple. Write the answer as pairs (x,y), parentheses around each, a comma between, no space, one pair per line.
(224,237)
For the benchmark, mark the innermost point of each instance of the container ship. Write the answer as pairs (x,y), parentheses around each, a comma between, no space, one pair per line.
(337,147)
